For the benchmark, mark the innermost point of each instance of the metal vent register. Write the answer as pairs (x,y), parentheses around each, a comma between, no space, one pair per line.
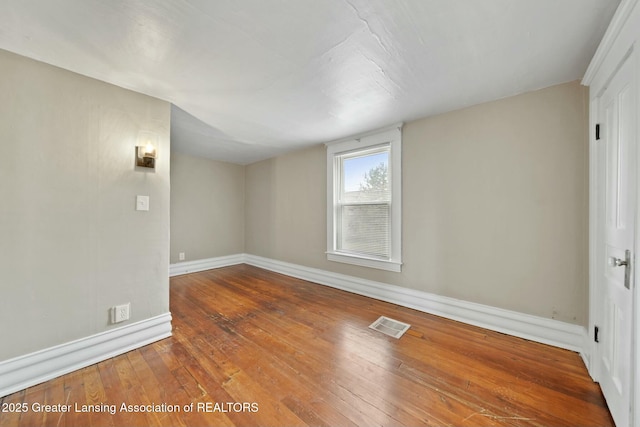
(390,327)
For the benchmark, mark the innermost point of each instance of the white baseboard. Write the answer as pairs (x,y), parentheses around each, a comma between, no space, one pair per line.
(534,328)
(547,331)
(205,264)
(587,351)
(31,369)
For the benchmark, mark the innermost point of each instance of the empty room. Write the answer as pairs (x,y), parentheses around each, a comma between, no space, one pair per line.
(319,213)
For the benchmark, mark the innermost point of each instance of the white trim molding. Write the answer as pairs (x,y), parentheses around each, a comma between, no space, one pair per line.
(34,368)
(365,262)
(539,329)
(366,134)
(31,369)
(204,264)
(614,29)
(389,141)
(619,44)
(547,331)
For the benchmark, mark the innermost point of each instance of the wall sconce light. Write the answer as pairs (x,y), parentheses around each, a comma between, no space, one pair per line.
(146,151)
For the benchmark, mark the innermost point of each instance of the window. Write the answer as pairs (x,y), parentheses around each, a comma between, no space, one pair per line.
(364,200)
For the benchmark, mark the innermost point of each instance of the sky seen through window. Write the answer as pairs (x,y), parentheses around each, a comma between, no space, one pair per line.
(355,169)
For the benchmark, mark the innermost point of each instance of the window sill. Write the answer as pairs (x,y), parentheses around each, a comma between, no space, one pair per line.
(380,264)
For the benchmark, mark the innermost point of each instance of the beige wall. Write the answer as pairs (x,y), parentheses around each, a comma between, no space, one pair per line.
(207,208)
(72,244)
(285,203)
(495,205)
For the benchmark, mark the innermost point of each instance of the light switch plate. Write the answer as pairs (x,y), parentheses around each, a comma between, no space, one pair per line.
(142,203)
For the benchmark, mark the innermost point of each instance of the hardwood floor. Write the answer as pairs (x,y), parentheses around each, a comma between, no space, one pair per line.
(252,347)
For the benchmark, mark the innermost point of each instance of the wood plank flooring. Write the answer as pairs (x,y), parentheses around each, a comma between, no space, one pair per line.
(252,347)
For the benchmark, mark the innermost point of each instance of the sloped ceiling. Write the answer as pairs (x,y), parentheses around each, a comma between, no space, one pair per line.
(250,79)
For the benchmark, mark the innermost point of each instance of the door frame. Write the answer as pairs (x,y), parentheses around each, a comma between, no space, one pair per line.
(598,238)
(621,41)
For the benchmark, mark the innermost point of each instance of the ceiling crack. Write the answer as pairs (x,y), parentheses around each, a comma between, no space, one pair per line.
(371,31)
(384,75)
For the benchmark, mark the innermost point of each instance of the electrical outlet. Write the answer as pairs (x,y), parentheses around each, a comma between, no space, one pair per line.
(121,313)
(181,256)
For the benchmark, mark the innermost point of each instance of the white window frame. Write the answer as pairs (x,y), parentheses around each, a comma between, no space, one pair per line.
(393,137)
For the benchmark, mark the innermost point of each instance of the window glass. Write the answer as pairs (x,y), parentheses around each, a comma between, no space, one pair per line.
(364,200)
(364,203)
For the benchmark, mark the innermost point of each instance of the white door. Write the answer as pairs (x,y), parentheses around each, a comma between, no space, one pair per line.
(617,208)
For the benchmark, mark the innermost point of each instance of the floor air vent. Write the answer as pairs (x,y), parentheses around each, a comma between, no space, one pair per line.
(390,327)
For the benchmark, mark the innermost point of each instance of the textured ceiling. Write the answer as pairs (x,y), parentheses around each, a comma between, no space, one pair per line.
(250,79)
